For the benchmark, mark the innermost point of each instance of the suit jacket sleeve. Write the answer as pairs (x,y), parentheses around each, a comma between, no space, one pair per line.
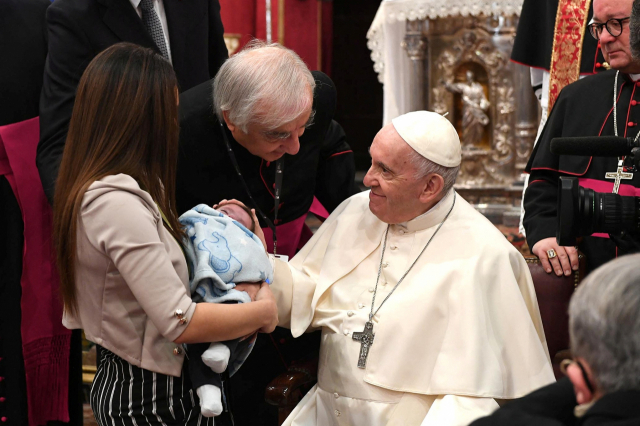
(218,52)
(551,405)
(69,54)
(335,179)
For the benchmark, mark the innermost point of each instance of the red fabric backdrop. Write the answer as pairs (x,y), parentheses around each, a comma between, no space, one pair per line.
(307,26)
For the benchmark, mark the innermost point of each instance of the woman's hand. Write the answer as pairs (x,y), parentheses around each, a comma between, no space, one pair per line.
(265,296)
(216,322)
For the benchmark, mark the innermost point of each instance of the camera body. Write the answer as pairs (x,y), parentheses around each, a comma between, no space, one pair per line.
(583,211)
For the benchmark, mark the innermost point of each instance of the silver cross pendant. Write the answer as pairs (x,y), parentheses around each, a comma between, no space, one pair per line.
(618,176)
(365,337)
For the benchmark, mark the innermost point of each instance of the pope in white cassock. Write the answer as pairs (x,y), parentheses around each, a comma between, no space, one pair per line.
(428,314)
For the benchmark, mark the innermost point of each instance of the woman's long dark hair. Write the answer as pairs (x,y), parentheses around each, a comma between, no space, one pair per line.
(125,120)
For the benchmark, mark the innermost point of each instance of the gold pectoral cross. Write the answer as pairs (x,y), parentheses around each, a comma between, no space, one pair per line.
(365,337)
(618,175)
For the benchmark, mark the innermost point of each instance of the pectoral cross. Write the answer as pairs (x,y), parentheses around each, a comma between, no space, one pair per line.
(366,340)
(618,176)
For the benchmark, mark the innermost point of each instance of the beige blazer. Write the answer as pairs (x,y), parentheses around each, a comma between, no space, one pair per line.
(132,280)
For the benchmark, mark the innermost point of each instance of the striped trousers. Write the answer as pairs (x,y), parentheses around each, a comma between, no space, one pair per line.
(125,395)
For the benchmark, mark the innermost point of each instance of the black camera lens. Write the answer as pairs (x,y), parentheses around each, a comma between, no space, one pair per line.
(614,213)
(582,211)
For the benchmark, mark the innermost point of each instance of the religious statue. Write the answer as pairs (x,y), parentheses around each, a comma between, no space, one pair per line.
(474,105)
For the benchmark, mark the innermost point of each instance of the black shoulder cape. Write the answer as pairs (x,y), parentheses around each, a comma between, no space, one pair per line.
(534,37)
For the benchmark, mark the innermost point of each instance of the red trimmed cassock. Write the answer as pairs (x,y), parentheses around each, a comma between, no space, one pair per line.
(584,108)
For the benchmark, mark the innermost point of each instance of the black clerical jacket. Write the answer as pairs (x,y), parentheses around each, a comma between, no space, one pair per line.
(584,108)
(23,50)
(324,166)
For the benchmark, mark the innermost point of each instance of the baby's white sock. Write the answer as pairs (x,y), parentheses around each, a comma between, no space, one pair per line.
(210,400)
(217,357)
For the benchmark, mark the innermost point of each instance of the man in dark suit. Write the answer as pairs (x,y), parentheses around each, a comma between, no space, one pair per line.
(268,106)
(602,387)
(187,33)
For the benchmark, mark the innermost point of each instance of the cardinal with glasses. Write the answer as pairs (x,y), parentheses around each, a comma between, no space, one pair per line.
(605,104)
(428,314)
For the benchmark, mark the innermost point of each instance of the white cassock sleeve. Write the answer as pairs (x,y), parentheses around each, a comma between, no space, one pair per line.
(282,289)
(453,410)
(440,410)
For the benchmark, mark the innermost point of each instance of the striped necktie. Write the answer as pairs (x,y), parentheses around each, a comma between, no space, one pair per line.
(152,24)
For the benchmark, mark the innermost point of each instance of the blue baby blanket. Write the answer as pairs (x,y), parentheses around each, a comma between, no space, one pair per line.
(221,252)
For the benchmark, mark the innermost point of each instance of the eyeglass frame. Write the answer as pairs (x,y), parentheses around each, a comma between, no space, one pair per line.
(565,363)
(595,26)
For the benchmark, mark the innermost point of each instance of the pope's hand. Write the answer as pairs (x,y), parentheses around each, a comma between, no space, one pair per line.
(258,230)
(265,296)
(565,259)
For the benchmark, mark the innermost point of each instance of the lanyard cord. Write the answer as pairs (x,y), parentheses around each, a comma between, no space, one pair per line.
(279,173)
(276,198)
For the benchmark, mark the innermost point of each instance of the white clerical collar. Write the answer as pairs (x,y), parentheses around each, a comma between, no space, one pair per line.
(431,217)
(634,77)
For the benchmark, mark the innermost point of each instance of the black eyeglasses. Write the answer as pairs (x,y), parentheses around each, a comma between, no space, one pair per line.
(613,26)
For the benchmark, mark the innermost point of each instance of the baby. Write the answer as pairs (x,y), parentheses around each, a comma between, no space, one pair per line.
(222,250)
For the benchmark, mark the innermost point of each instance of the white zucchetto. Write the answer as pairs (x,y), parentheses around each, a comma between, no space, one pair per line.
(431,135)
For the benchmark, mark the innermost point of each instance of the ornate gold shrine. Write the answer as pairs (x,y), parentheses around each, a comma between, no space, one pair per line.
(461,66)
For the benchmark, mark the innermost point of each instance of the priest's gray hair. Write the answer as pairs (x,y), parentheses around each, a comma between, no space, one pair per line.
(604,324)
(424,167)
(264,84)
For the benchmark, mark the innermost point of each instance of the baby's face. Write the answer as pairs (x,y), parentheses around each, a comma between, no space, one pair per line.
(238,214)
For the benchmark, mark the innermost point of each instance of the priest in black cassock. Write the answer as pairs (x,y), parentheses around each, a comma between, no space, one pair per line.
(585,108)
(533,45)
(233,132)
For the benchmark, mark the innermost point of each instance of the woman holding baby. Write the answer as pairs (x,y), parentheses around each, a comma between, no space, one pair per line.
(124,277)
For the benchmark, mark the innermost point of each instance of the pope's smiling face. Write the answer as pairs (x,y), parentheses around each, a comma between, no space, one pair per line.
(395,191)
